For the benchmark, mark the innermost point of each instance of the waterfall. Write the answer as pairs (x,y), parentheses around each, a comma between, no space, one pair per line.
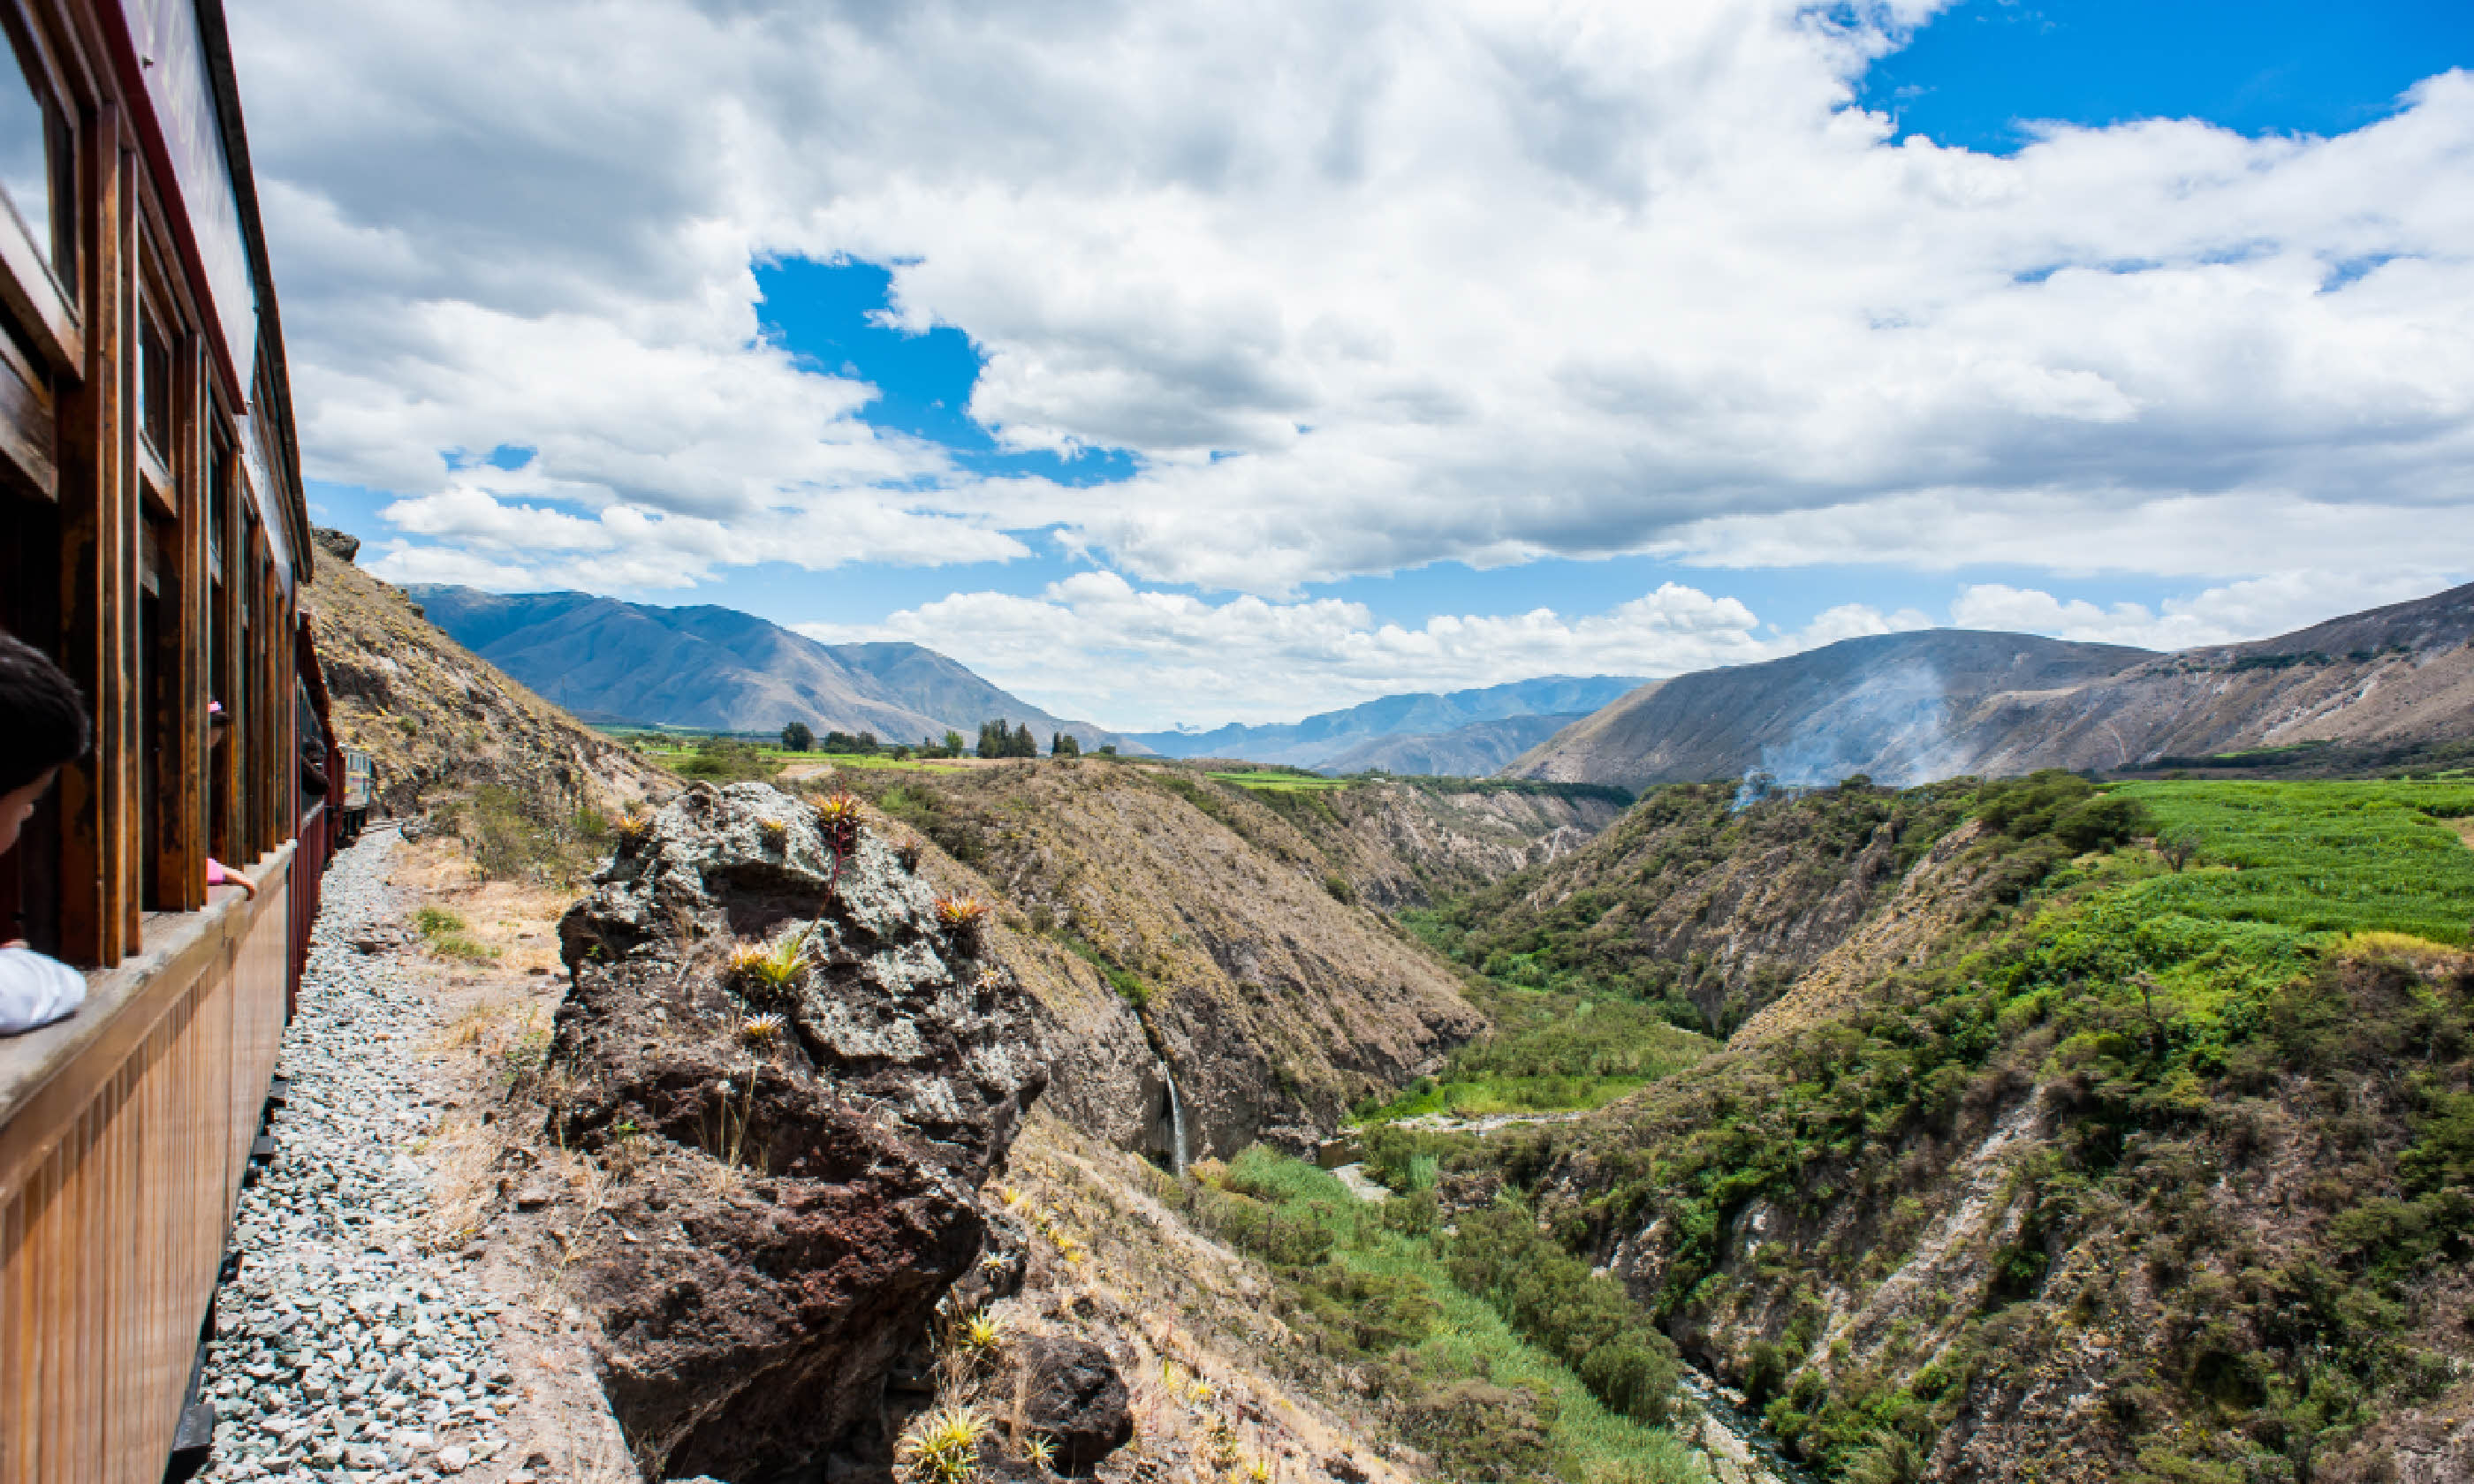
(1175,1122)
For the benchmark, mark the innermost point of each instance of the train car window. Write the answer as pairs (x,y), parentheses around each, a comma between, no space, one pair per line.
(29,571)
(155,699)
(222,763)
(155,383)
(31,144)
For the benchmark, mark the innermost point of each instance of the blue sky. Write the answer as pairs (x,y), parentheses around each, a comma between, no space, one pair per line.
(1984,68)
(1070,425)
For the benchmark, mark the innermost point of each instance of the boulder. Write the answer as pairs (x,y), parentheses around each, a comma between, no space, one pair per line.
(1073,1397)
(341,545)
(802,1152)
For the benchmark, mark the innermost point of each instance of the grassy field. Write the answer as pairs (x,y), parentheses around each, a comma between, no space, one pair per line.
(875,760)
(775,757)
(2318,856)
(1465,1340)
(1274,781)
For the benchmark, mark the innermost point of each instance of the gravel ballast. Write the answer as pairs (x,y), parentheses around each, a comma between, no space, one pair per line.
(345,1351)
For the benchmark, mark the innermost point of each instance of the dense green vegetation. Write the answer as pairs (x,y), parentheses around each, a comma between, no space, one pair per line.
(723,761)
(1493,1350)
(1548,1052)
(2262,1115)
(2321,856)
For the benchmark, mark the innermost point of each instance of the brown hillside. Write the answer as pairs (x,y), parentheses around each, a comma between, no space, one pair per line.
(1885,705)
(435,717)
(1942,702)
(1165,918)
(1689,897)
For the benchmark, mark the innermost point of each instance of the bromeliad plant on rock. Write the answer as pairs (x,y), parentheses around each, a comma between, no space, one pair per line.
(772,972)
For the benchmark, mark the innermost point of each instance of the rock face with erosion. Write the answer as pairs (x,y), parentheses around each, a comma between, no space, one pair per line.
(794,1147)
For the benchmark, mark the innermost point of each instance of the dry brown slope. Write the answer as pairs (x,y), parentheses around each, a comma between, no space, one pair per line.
(1276,1004)
(1691,897)
(434,716)
(1944,703)
(1882,705)
(2402,673)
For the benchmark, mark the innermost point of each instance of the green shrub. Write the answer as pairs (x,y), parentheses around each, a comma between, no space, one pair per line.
(1580,1317)
(726,760)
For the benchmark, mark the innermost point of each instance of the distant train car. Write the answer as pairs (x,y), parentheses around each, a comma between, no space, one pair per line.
(353,801)
(154,540)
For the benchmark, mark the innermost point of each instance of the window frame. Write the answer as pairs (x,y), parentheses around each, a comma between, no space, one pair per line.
(39,288)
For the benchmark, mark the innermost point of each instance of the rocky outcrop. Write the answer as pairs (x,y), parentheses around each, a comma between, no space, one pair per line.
(810,1067)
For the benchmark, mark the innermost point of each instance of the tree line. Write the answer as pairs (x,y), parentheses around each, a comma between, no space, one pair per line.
(998,738)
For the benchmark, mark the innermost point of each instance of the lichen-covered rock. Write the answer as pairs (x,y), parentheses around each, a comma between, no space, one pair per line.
(804,1137)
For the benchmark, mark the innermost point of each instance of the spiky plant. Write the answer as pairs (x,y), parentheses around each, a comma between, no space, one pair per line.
(764,1029)
(982,1333)
(634,826)
(837,814)
(961,915)
(771,969)
(941,1446)
(1039,1450)
(774,831)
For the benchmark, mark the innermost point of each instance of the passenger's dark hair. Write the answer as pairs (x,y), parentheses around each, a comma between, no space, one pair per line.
(42,718)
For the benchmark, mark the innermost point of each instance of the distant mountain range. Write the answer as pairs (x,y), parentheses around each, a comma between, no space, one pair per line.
(1463,734)
(721,669)
(1907,707)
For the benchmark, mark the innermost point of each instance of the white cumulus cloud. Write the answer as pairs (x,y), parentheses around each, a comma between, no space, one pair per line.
(1096,645)
(1360,286)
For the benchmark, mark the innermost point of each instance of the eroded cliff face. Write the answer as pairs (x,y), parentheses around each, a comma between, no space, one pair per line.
(1175,931)
(809,1070)
(1457,840)
(1691,896)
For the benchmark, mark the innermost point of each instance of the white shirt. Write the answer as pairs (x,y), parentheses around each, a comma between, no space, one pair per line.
(36,990)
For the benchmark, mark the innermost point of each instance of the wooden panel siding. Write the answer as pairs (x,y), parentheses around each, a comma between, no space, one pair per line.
(127,1130)
(154,537)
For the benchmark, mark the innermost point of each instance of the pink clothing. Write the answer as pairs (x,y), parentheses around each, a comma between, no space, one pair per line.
(216,874)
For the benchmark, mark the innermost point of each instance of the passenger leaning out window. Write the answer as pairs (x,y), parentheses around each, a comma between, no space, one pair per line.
(43,728)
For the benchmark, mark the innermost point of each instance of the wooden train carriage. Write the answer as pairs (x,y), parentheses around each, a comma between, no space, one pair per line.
(153,539)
